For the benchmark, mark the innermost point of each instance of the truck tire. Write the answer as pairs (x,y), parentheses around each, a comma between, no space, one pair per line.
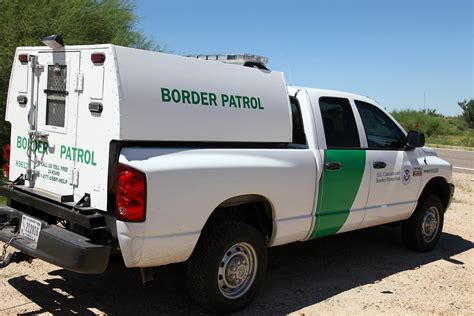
(421,232)
(227,267)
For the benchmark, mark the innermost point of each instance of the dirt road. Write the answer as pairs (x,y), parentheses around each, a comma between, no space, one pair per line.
(367,271)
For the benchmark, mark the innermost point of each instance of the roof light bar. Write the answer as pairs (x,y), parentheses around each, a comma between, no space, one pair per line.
(239,59)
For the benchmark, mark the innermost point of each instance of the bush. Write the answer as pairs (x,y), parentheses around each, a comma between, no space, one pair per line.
(438,129)
(468,111)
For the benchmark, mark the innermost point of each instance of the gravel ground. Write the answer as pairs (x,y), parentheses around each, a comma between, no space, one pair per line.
(366,271)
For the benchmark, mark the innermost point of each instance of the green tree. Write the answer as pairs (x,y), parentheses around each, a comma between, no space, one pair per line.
(468,111)
(25,22)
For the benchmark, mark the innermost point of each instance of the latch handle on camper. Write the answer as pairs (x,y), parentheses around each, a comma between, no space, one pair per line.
(48,91)
(96,107)
(22,99)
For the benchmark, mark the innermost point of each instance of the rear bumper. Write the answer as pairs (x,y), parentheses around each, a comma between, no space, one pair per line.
(55,245)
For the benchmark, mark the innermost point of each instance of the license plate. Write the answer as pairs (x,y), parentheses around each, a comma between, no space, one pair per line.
(30,228)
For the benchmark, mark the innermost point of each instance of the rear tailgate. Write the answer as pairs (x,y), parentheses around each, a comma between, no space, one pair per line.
(46,147)
(51,116)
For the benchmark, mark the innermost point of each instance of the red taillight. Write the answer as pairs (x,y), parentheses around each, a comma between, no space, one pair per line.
(6,156)
(130,194)
(6,152)
(23,58)
(98,58)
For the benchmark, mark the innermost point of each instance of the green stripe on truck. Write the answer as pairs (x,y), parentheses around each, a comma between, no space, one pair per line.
(338,190)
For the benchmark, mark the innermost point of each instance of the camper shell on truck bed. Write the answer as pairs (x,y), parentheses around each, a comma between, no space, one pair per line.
(88,97)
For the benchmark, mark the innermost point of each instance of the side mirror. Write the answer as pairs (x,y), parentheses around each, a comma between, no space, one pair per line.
(415,139)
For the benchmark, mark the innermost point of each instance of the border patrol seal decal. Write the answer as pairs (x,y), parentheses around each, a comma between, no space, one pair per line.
(406,175)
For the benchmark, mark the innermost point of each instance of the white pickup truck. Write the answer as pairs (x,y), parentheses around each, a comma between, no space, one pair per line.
(209,160)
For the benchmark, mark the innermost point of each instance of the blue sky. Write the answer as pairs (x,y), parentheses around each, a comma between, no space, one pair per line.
(401,53)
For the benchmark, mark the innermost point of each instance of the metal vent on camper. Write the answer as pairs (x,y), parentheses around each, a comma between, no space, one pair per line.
(56,91)
(57,75)
(238,59)
(55,113)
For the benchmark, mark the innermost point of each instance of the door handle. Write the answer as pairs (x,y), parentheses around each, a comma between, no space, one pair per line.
(333,166)
(379,165)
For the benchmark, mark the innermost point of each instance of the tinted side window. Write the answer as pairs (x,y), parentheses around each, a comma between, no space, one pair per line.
(298,128)
(381,131)
(339,124)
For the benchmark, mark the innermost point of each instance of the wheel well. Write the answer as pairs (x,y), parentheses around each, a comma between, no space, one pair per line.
(254,210)
(439,187)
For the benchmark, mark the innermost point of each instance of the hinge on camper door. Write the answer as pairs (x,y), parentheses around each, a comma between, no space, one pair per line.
(74,177)
(79,82)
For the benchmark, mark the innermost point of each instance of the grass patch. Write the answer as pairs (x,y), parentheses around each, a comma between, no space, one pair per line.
(3,200)
(462,187)
(464,140)
(450,147)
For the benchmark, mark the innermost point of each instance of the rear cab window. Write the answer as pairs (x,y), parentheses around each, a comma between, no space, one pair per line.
(299,137)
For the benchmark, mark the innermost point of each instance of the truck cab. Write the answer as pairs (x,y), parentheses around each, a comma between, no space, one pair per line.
(369,173)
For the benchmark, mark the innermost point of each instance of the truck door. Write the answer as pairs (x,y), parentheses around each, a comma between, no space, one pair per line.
(395,172)
(53,146)
(343,187)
